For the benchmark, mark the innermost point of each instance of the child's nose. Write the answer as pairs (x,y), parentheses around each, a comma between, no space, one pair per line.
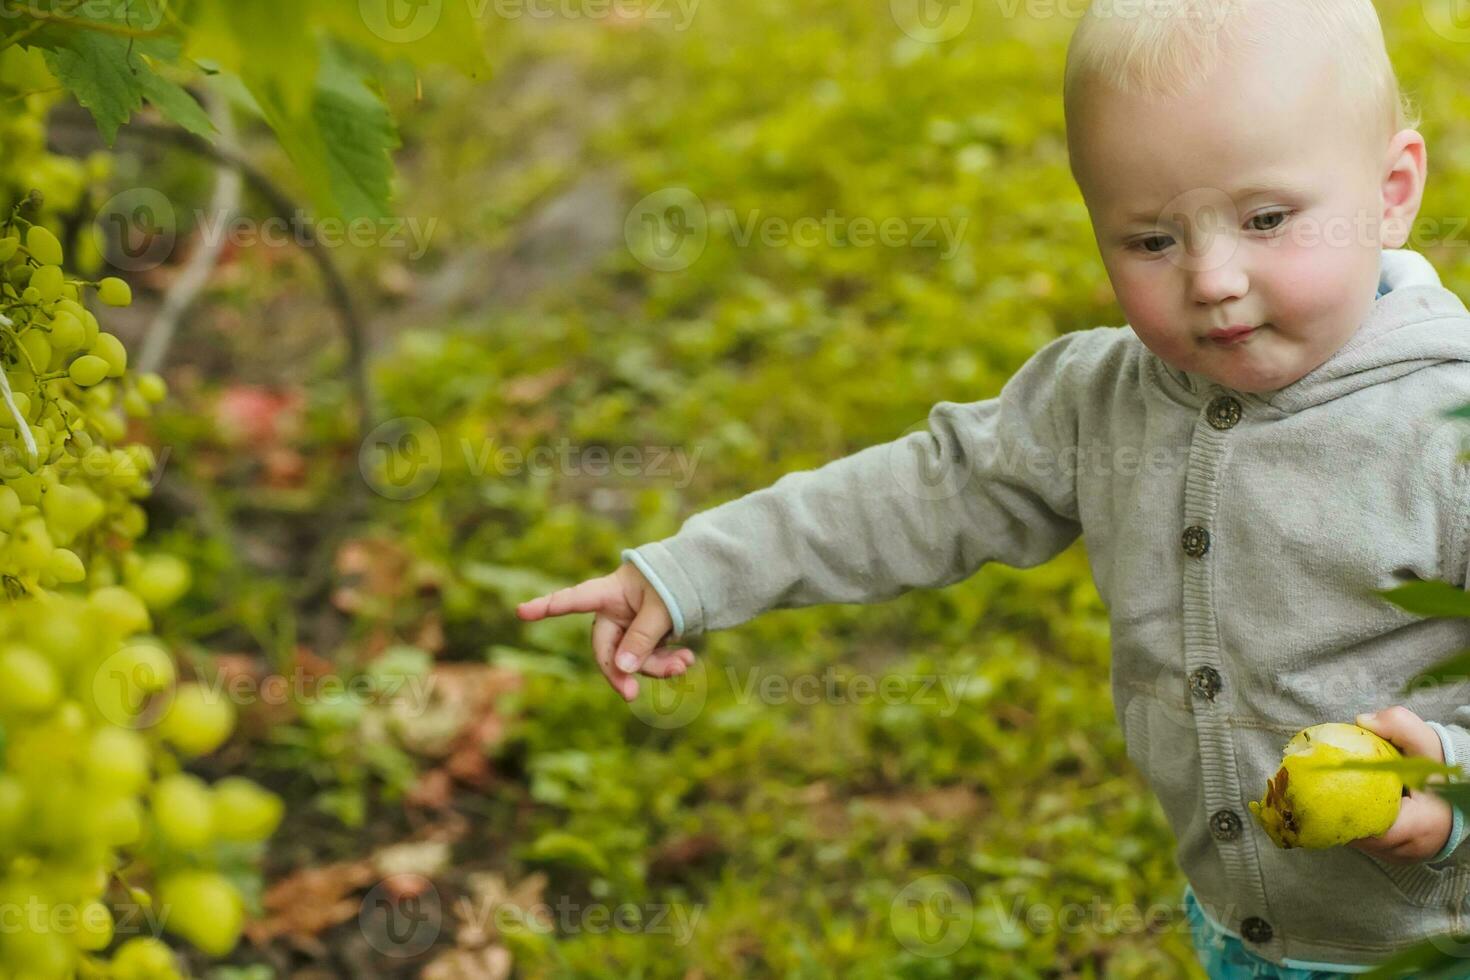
(1216,273)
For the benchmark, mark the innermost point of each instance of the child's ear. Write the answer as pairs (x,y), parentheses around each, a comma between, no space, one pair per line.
(1403,186)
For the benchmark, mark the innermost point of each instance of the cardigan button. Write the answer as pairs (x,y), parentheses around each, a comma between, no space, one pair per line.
(1223,412)
(1196,541)
(1204,682)
(1225,824)
(1256,930)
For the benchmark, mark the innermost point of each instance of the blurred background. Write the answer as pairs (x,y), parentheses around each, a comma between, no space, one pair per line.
(656,255)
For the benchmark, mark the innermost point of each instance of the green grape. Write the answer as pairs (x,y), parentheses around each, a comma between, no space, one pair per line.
(114,292)
(136,406)
(23,403)
(160,580)
(43,245)
(197,722)
(122,683)
(28,682)
(60,629)
(117,760)
(244,811)
(48,280)
(120,609)
(8,246)
(111,350)
(183,814)
(69,510)
(42,952)
(144,958)
(204,908)
(110,426)
(152,387)
(88,370)
(67,333)
(37,348)
(119,821)
(94,927)
(30,546)
(66,566)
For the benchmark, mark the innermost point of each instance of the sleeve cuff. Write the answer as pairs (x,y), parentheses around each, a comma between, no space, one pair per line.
(1456,743)
(664,592)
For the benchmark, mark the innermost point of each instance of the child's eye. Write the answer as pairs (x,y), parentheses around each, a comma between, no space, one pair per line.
(1154,244)
(1269,221)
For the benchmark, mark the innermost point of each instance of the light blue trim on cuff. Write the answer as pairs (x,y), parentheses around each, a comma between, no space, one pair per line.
(1457,828)
(640,563)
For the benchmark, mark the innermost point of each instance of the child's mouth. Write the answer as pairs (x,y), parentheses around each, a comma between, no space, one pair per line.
(1232,338)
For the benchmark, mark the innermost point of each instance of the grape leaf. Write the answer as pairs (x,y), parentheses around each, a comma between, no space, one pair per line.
(267,43)
(176,104)
(112,75)
(341,147)
(1429,598)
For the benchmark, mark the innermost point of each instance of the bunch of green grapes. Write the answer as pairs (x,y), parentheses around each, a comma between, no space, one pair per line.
(65,185)
(94,722)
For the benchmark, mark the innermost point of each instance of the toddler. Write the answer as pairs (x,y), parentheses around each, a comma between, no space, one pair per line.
(1256,452)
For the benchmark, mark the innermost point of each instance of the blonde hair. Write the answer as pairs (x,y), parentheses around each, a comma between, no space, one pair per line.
(1153,48)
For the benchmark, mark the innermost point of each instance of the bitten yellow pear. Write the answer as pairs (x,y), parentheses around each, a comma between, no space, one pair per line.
(1308,805)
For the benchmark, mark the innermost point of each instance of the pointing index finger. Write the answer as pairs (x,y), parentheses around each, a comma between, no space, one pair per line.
(588,596)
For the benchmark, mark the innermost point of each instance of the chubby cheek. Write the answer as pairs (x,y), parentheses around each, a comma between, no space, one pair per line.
(1318,294)
(1154,313)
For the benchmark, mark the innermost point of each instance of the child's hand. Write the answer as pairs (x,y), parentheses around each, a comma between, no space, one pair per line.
(630,620)
(1425,818)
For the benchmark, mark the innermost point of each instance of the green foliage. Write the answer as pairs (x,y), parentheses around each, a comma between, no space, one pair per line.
(790,828)
(326,108)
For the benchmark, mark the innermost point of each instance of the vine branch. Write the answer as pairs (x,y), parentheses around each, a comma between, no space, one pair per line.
(185,289)
(339,294)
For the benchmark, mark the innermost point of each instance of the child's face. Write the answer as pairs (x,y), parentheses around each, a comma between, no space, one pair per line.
(1255,201)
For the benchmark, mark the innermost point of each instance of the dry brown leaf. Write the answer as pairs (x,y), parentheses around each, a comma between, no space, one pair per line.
(532,388)
(490,963)
(430,634)
(433,790)
(459,717)
(486,892)
(684,849)
(369,569)
(425,858)
(312,900)
(944,803)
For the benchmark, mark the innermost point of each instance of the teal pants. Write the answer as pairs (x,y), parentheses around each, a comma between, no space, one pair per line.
(1226,958)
